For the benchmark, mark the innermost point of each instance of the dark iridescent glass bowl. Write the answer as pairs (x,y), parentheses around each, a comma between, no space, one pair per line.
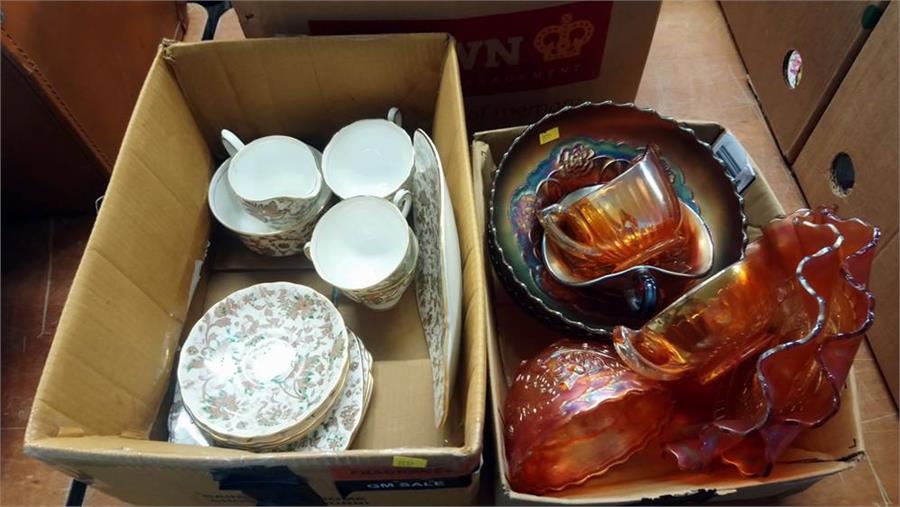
(600,132)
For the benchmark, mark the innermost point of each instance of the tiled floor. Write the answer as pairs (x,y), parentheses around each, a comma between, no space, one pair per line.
(693,71)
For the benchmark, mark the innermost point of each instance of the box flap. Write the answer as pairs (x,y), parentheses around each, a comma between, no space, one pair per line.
(268,86)
(128,301)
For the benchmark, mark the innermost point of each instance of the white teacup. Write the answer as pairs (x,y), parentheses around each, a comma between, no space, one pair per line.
(277,179)
(364,247)
(369,157)
(257,235)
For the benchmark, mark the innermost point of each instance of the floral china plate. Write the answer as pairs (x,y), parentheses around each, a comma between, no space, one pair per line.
(263,365)
(439,278)
(336,432)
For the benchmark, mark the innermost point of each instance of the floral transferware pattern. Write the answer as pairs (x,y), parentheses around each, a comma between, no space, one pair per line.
(262,361)
(432,284)
(337,431)
(280,244)
(334,434)
(254,234)
(286,212)
(386,293)
(291,212)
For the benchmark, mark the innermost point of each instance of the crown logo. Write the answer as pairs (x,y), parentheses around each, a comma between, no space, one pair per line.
(564,40)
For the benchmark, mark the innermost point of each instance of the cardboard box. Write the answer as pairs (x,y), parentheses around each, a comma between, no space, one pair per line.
(151,267)
(827,36)
(851,160)
(519,60)
(515,336)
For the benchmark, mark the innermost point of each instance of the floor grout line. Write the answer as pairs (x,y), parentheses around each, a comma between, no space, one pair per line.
(883,492)
(878,418)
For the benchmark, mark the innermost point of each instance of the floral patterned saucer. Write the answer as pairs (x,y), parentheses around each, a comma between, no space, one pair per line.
(439,279)
(337,431)
(264,365)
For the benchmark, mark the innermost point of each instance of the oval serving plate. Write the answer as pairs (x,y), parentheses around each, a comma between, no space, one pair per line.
(618,131)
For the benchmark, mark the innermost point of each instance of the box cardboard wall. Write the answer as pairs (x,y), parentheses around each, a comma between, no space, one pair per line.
(861,123)
(519,61)
(515,336)
(828,35)
(151,267)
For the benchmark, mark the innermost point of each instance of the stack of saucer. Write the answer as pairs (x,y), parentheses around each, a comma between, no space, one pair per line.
(271,367)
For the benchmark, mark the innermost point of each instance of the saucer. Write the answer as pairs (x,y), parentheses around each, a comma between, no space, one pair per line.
(262,366)
(345,417)
(335,433)
(439,278)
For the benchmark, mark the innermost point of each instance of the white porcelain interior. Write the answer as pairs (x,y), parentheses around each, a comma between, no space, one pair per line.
(359,242)
(368,157)
(275,166)
(226,207)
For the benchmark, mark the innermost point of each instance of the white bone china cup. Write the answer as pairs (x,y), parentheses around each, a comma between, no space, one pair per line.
(276,178)
(369,157)
(364,247)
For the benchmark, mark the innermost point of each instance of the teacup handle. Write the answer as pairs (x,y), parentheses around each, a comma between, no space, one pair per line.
(232,142)
(549,218)
(642,300)
(307,250)
(394,116)
(402,200)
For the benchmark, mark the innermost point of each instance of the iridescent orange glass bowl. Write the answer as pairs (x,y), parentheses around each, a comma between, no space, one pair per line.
(772,337)
(574,411)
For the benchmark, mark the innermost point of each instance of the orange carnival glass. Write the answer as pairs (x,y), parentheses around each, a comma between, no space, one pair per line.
(774,335)
(574,411)
(627,222)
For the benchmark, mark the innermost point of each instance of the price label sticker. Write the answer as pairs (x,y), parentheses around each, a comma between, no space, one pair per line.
(550,135)
(407,462)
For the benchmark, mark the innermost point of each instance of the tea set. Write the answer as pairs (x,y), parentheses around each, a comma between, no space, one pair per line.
(621,228)
(273,367)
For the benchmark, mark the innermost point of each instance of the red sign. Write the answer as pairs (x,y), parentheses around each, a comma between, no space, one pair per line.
(510,52)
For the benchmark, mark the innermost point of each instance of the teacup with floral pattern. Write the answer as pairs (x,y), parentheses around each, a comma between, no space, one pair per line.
(276,178)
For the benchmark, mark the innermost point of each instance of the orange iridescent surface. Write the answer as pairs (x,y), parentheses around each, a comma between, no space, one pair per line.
(574,411)
(770,339)
(629,221)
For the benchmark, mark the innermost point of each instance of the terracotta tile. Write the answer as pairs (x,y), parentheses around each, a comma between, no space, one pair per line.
(26,252)
(857,486)
(25,480)
(39,262)
(694,72)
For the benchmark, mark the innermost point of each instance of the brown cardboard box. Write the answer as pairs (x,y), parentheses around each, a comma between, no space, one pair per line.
(827,34)
(860,128)
(151,267)
(514,336)
(519,60)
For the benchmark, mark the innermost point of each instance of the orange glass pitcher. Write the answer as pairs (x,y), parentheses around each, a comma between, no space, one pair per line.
(627,222)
